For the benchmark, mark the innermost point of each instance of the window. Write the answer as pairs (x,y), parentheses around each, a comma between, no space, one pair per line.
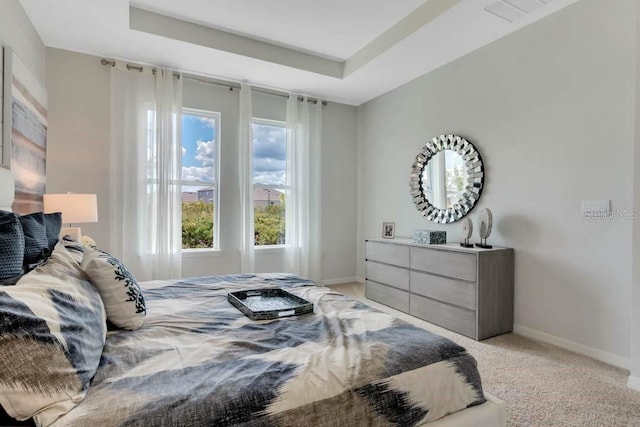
(200,182)
(455,177)
(269,181)
(444,179)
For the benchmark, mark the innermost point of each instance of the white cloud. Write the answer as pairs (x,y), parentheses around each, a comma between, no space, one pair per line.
(211,123)
(205,152)
(195,173)
(269,164)
(269,177)
(184,150)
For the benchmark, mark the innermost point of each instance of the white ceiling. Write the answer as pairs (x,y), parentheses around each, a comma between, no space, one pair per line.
(382,43)
(332,28)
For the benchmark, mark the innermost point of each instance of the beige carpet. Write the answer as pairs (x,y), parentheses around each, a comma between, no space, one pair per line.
(542,384)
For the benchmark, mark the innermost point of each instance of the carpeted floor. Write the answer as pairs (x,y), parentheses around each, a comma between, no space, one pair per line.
(542,384)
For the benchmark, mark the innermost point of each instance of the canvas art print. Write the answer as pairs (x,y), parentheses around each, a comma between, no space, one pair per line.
(24,133)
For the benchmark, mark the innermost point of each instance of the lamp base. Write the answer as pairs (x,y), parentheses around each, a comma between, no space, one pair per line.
(73,232)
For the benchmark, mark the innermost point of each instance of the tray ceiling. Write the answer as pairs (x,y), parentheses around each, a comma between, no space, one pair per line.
(345,51)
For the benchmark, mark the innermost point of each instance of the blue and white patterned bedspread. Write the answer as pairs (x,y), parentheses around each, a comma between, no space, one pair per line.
(198,361)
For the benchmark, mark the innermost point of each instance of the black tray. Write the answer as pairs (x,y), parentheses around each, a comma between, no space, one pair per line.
(267,304)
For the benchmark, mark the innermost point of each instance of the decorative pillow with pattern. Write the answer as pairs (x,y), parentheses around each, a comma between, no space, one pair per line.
(118,288)
(52,226)
(36,244)
(52,332)
(11,246)
(75,248)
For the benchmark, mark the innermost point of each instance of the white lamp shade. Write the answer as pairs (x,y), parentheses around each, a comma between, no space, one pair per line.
(75,208)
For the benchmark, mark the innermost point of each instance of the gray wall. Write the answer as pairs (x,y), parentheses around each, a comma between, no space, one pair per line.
(79,131)
(634,378)
(17,32)
(78,161)
(339,192)
(551,109)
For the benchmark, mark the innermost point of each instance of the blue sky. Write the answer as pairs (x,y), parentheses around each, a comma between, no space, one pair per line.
(198,148)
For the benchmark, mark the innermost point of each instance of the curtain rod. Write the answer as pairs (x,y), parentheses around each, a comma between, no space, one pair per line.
(229,84)
(130,67)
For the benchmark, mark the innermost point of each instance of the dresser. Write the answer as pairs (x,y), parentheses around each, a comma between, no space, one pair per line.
(466,290)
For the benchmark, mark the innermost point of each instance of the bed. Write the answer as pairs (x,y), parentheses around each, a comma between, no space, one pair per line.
(198,361)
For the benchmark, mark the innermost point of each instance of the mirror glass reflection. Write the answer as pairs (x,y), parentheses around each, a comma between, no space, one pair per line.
(444,179)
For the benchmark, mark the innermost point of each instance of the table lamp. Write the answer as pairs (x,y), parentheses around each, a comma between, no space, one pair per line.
(76,208)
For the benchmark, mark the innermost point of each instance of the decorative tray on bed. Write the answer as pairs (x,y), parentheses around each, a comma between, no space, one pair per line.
(267,304)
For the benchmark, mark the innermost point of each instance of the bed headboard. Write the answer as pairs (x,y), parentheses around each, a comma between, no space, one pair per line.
(7,189)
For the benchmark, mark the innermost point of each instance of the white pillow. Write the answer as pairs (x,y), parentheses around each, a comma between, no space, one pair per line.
(119,290)
(74,248)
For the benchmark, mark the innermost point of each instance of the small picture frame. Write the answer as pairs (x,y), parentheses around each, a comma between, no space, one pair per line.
(388,230)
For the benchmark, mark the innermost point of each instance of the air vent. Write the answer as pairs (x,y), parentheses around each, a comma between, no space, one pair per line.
(527,6)
(512,10)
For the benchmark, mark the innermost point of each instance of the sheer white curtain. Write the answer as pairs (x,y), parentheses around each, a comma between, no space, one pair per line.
(145,167)
(303,213)
(245,140)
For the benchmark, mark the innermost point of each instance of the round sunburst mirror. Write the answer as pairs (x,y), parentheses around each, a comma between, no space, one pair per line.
(447,179)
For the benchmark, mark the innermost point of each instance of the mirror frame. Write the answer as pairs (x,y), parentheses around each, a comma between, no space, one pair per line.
(474,184)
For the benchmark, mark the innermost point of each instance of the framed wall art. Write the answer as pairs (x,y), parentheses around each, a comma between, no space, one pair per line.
(24,132)
(388,230)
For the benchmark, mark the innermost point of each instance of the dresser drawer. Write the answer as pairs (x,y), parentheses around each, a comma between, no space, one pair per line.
(443,289)
(457,319)
(387,295)
(388,253)
(447,263)
(389,275)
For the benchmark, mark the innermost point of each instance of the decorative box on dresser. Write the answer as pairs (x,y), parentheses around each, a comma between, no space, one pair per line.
(466,290)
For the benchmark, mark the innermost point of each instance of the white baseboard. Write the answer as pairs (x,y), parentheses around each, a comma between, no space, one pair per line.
(340,281)
(633,383)
(603,356)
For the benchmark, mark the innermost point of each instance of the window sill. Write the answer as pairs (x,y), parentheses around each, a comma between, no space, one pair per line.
(207,253)
(270,249)
(201,253)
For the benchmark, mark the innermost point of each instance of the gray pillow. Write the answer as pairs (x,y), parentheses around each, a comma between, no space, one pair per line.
(36,244)
(52,225)
(11,246)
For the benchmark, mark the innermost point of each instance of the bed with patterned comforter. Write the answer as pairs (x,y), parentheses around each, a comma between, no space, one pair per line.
(198,361)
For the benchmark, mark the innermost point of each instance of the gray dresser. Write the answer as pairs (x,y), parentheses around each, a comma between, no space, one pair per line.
(466,290)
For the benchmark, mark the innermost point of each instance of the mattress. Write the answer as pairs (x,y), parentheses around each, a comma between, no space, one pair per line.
(198,361)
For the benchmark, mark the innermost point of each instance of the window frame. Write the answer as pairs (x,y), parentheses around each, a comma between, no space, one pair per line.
(217,116)
(284,187)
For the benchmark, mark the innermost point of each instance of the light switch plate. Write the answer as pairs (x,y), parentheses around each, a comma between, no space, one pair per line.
(595,208)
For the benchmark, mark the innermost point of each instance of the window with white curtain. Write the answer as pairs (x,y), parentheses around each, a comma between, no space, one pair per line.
(269,181)
(200,179)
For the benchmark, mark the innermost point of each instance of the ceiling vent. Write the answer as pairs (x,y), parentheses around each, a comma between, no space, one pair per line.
(512,10)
